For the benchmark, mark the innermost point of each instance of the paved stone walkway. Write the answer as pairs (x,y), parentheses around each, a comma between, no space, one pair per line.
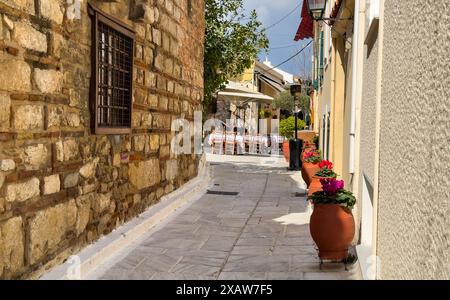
(260,233)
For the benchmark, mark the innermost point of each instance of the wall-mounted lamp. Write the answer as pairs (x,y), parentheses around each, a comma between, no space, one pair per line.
(316,9)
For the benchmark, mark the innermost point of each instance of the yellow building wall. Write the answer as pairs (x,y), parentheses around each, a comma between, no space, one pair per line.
(247,76)
(330,98)
(337,107)
(325,107)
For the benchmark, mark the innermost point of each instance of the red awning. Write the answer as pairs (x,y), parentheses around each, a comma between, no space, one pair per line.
(305,29)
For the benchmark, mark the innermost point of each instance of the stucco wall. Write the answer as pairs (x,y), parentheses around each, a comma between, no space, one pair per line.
(368,109)
(346,176)
(414,193)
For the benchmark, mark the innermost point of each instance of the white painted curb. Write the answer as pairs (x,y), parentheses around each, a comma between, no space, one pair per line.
(96,255)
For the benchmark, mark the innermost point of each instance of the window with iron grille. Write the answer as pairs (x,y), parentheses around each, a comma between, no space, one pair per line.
(112,74)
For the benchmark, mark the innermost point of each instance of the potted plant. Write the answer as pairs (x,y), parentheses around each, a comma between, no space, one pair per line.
(287,128)
(307,147)
(326,171)
(310,165)
(332,224)
(316,141)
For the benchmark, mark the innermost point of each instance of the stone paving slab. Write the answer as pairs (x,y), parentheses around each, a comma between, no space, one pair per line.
(261,233)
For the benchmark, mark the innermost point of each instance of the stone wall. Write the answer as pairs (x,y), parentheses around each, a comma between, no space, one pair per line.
(62,187)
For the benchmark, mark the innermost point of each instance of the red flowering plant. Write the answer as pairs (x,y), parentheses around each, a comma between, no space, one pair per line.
(333,192)
(313,156)
(326,169)
(326,164)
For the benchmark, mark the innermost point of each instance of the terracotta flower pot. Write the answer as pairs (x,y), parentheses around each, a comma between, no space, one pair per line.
(315,185)
(332,228)
(286,149)
(303,171)
(308,171)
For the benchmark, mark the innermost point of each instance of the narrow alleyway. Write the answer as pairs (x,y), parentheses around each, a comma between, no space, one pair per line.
(254,225)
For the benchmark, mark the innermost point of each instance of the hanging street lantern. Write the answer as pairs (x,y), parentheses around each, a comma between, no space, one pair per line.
(316,9)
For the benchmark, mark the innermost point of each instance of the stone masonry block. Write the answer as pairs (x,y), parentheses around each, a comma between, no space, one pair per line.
(5,111)
(25,5)
(48,81)
(52,184)
(71,150)
(36,156)
(48,228)
(28,117)
(7,165)
(22,191)
(84,204)
(30,38)
(88,170)
(71,180)
(51,9)
(11,245)
(21,81)
(145,174)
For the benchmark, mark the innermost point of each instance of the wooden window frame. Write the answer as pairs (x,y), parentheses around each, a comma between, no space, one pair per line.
(115,24)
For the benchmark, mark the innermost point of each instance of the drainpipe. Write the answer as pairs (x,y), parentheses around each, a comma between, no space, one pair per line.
(355,45)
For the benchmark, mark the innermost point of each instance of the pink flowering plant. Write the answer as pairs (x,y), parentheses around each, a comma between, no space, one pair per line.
(313,156)
(333,192)
(308,154)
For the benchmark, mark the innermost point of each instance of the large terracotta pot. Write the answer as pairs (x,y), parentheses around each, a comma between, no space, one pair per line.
(303,171)
(308,171)
(315,185)
(286,149)
(332,228)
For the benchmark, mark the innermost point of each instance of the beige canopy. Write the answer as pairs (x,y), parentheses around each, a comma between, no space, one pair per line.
(245,93)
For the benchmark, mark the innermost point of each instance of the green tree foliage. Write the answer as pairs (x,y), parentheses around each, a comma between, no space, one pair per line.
(304,103)
(232,42)
(263,114)
(287,126)
(284,101)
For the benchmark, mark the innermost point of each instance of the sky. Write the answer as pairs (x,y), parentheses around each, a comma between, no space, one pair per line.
(281,35)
